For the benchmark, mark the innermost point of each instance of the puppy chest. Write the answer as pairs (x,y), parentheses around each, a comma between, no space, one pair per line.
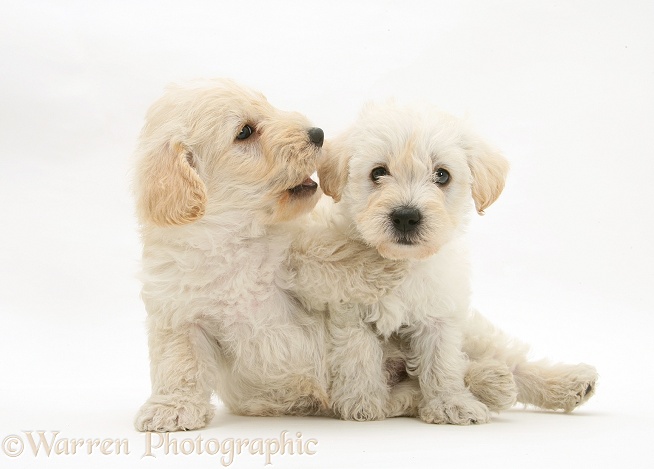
(434,292)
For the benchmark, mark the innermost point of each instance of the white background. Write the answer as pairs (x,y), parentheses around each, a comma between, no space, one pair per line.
(563,260)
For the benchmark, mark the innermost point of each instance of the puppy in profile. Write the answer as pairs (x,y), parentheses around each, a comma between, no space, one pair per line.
(403,181)
(222,184)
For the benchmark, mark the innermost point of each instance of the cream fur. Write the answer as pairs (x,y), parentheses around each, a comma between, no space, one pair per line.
(219,216)
(237,278)
(454,358)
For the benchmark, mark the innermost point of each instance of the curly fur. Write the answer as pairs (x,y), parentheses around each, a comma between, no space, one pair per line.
(227,264)
(214,212)
(459,366)
(237,280)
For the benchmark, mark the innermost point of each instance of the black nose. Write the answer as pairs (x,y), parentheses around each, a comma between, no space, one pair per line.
(316,135)
(405,219)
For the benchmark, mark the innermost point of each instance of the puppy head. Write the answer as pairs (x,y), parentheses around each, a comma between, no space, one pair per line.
(406,178)
(214,147)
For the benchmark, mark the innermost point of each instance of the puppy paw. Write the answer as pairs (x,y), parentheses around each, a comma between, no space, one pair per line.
(358,396)
(555,387)
(461,409)
(310,399)
(169,415)
(572,387)
(360,408)
(492,383)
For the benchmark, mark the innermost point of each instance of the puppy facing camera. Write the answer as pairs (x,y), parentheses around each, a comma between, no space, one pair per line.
(404,181)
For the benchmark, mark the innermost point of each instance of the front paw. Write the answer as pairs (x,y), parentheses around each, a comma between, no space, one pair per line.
(360,408)
(169,414)
(454,409)
(359,397)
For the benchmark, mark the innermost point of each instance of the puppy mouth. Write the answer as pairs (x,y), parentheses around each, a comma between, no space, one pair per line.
(405,241)
(307,188)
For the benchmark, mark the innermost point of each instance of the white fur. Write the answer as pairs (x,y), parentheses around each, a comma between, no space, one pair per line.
(427,321)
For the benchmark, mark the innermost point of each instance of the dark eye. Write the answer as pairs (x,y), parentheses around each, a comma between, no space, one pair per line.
(441,176)
(378,172)
(246,131)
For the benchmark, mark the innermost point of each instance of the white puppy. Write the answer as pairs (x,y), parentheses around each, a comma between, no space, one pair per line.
(405,180)
(222,178)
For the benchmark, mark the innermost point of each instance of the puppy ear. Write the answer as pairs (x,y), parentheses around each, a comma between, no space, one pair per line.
(333,168)
(489,170)
(170,192)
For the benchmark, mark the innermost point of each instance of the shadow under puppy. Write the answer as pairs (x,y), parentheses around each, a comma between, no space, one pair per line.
(222,185)
(405,179)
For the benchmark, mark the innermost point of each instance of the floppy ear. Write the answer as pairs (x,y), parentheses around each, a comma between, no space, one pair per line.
(489,170)
(332,170)
(169,190)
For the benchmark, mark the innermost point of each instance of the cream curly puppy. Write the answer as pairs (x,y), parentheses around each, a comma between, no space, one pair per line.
(222,184)
(405,180)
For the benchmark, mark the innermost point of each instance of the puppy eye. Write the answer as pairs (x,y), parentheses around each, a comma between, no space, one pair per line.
(378,172)
(441,176)
(245,133)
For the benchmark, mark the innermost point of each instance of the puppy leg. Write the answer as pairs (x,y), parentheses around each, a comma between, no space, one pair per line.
(437,360)
(554,387)
(182,363)
(404,399)
(492,383)
(300,395)
(358,387)
(329,268)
